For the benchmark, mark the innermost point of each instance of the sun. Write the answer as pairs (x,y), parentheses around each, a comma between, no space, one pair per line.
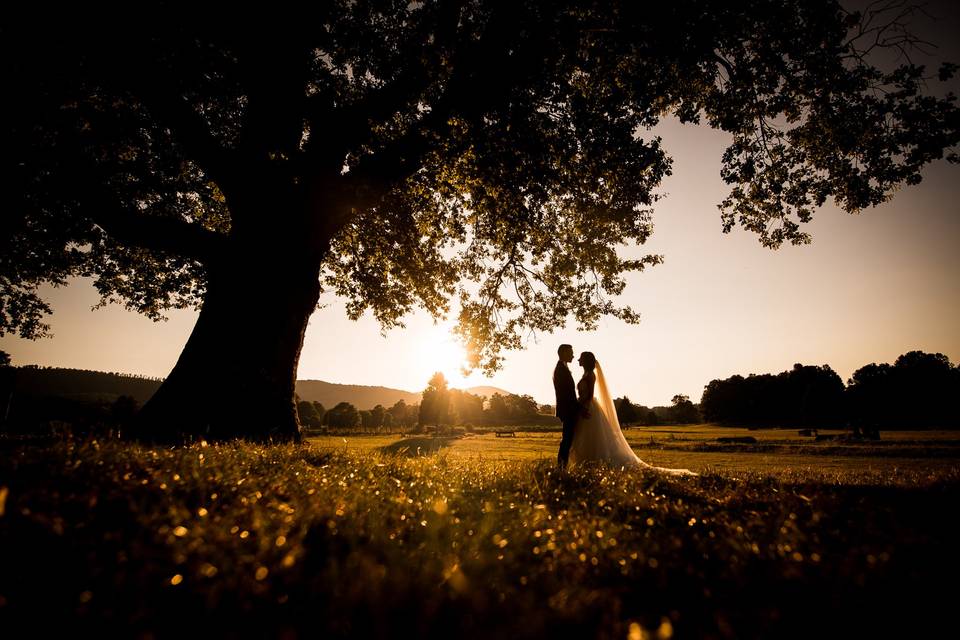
(441,352)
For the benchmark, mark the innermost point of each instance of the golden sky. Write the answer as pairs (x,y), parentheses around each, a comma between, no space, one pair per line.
(869,288)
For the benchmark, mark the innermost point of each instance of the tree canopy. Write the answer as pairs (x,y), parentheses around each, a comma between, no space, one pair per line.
(918,391)
(805,396)
(435,406)
(480,157)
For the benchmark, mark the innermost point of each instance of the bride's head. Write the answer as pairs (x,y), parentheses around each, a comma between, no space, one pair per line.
(587,361)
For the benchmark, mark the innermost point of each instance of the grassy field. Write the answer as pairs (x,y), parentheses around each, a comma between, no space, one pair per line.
(481,538)
(696,447)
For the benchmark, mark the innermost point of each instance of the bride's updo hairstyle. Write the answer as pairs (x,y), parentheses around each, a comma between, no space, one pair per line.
(589,360)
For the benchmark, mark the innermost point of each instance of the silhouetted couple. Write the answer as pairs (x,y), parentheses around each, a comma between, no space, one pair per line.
(591,430)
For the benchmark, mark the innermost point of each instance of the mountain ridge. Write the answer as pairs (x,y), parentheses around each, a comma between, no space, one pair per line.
(368,396)
(90,385)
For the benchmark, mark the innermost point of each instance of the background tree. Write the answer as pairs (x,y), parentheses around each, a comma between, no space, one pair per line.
(435,406)
(927,390)
(869,394)
(804,396)
(308,415)
(918,391)
(343,416)
(467,407)
(626,411)
(682,411)
(401,414)
(123,409)
(320,411)
(498,411)
(366,420)
(376,417)
(413,416)
(722,399)
(815,396)
(181,162)
(521,407)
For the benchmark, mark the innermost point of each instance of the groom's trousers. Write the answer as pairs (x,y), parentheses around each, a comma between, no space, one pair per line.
(566,440)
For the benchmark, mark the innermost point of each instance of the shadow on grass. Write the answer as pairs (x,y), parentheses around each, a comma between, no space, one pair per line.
(414,447)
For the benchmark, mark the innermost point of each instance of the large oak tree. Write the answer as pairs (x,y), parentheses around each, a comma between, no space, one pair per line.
(483,156)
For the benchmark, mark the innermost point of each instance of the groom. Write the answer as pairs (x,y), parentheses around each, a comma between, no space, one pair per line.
(568,409)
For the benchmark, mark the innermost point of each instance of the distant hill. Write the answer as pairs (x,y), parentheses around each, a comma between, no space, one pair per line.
(82,384)
(361,396)
(486,391)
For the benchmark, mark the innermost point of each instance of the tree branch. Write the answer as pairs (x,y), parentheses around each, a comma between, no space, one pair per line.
(163,98)
(723,62)
(275,80)
(161,234)
(483,73)
(99,200)
(349,124)
(170,235)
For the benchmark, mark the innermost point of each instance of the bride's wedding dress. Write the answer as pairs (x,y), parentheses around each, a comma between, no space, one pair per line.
(599,438)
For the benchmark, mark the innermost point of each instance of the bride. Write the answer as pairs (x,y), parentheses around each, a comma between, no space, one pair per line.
(597,436)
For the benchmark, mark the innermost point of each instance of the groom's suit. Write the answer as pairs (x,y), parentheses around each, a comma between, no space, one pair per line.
(568,409)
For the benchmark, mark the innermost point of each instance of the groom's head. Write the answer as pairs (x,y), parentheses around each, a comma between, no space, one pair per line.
(565,351)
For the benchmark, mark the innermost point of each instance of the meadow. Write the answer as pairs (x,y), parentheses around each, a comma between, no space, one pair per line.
(480,536)
(776,451)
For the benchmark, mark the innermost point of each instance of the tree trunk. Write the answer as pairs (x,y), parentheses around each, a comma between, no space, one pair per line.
(235,377)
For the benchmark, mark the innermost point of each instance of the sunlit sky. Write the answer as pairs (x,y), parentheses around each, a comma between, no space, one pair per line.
(869,288)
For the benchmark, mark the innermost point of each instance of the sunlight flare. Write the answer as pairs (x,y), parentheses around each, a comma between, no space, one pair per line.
(440,351)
